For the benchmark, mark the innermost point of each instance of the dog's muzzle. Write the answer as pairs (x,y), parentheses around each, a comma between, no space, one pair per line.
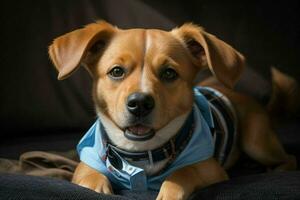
(140,106)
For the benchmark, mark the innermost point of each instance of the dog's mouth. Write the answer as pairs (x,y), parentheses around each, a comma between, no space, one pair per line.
(139,133)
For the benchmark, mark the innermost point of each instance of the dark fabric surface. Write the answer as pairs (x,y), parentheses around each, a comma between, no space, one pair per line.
(15,145)
(283,185)
(29,187)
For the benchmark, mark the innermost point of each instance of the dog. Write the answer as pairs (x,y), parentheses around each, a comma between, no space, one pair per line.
(157,128)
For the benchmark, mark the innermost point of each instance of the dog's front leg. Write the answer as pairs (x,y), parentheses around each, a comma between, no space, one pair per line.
(88,177)
(183,182)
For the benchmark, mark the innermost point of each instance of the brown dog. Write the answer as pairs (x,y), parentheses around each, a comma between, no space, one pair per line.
(151,74)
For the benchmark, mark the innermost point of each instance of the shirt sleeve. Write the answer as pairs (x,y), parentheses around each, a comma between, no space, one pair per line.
(90,147)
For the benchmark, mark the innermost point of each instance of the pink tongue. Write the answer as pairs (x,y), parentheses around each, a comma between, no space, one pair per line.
(139,130)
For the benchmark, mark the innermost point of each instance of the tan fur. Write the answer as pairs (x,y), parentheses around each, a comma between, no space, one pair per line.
(225,62)
(90,178)
(143,52)
(286,94)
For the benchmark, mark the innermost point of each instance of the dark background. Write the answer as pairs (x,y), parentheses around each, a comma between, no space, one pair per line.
(37,112)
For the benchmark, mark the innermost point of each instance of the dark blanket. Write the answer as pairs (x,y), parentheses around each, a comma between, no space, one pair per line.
(42,165)
(285,185)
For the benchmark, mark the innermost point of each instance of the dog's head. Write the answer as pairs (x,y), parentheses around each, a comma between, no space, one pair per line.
(143,78)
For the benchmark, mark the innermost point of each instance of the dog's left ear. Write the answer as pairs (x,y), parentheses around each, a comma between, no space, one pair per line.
(224,61)
(68,51)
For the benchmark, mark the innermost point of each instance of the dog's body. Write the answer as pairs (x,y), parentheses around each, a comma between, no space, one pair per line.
(143,93)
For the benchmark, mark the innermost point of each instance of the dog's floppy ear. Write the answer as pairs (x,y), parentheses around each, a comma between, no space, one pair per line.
(224,61)
(67,51)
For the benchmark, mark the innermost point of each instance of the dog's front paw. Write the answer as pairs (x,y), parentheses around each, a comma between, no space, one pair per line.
(171,191)
(96,182)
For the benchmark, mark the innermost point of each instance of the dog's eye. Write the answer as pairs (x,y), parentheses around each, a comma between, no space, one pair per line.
(117,72)
(168,74)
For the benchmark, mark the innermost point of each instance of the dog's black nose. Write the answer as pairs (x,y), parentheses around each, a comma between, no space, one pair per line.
(140,104)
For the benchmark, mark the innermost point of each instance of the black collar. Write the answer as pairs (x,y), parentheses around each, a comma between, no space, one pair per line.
(169,150)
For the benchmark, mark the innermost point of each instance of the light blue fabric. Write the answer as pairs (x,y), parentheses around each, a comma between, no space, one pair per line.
(92,152)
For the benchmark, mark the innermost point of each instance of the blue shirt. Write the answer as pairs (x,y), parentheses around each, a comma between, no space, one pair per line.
(92,151)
